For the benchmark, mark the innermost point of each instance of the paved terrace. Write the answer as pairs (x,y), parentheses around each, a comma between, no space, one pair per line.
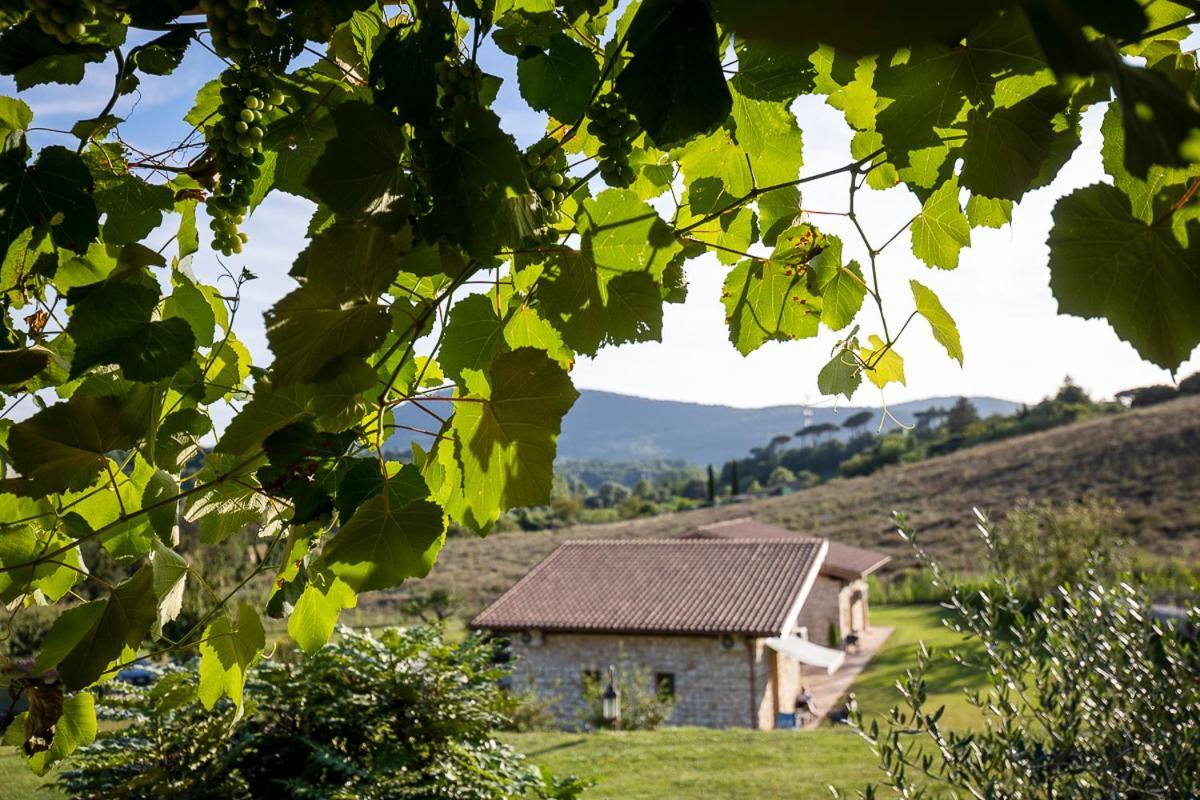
(827,690)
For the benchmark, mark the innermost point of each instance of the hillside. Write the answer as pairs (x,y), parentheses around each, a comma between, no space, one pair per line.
(1147,459)
(617,427)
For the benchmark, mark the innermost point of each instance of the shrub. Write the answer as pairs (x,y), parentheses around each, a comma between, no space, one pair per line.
(404,715)
(1089,696)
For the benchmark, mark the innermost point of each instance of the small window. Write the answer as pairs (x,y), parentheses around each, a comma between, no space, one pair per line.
(664,682)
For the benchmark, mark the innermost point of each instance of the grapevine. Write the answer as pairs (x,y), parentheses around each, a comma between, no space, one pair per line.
(235,141)
(611,123)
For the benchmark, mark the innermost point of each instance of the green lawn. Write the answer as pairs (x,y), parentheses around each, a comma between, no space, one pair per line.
(17,782)
(694,763)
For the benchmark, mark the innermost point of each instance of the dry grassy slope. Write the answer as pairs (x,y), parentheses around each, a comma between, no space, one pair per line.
(1149,460)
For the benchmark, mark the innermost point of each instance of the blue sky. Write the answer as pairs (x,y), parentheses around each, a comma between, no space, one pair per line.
(1016,346)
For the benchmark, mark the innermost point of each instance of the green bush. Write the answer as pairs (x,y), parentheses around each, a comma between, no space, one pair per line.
(404,715)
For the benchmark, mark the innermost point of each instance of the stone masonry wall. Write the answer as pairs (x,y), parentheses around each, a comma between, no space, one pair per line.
(825,604)
(712,683)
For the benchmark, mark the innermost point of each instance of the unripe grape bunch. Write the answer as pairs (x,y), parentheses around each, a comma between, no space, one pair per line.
(610,122)
(235,140)
(459,83)
(68,20)
(546,167)
(237,25)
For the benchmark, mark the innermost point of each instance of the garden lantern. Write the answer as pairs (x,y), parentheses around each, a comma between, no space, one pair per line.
(611,705)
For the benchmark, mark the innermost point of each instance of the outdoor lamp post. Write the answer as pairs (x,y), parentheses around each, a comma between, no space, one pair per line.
(611,706)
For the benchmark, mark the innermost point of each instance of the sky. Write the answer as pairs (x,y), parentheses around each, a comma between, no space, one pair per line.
(1017,347)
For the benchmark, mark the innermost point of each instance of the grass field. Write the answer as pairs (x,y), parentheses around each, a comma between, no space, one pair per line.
(693,763)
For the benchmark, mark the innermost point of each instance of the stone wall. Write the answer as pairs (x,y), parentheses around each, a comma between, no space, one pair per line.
(712,682)
(823,606)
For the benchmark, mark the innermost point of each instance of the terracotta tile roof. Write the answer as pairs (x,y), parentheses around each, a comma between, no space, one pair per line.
(842,561)
(671,586)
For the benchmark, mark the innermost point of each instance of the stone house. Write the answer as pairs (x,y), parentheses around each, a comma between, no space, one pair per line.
(719,620)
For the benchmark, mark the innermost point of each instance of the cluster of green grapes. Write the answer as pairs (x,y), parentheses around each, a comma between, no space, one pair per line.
(546,168)
(459,83)
(610,122)
(236,24)
(236,142)
(68,20)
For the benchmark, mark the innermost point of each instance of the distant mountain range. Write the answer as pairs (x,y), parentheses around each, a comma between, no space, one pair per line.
(618,427)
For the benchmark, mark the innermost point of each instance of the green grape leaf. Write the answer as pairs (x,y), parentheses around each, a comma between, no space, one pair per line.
(559,81)
(316,612)
(769,299)
(507,439)
(474,336)
(392,536)
(941,230)
(623,234)
(590,307)
(842,375)
(53,193)
(170,572)
(266,413)
(360,170)
(18,366)
(945,331)
(132,207)
(1161,187)
(842,289)
(471,179)
(767,72)
(1158,118)
(1007,147)
(402,70)
(316,19)
(884,364)
(111,324)
(227,652)
(189,303)
(1107,263)
(770,140)
(674,84)
(24,544)
(777,211)
(162,55)
(63,446)
(74,728)
(986,212)
(83,643)
(336,311)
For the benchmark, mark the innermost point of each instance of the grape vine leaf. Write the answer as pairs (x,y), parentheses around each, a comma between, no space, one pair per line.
(674,84)
(19,365)
(74,728)
(842,375)
(336,311)
(402,70)
(1105,262)
(23,544)
(945,331)
(316,612)
(227,652)
(360,170)
(474,336)
(623,234)
(112,324)
(51,193)
(63,446)
(86,639)
(132,207)
(508,436)
(941,230)
(886,365)
(987,212)
(392,536)
(560,79)
(1006,147)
